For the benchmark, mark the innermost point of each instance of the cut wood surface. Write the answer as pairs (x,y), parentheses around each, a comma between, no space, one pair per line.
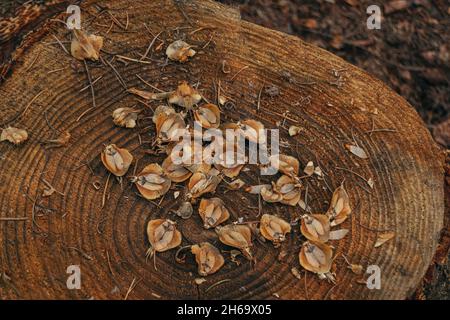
(332,102)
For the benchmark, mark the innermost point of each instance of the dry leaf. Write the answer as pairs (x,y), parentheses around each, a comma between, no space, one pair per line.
(86,46)
(274,228)
(201,183)
(356,268)
(213,212)
(236,184)
(179,51)
(270,195)
(230,169)
(163,235)
(61,141)
(222,100)
(316,257)
(338,234)
(383,237)
(311,23)
(185,96)
(316,227)
(151,182)
(14,135)
(339,207)
(318,171)
(125,117)
(296,273)
(199,281)
(162,110)
(282,255)
(237,236)
(175,172)
(170,127)
(352,2)
(285,164)
(294,130)
(189,154)
(208,116)
(258,188)
(150,95)
(253,131)
(208,258)
(370,183)
(302,204)
(356,150)
(203,167)
(116,160)
(289,189)
(309,169)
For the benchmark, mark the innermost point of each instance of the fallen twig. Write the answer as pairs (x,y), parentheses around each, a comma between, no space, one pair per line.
(13,218)
(217,284)
(90,84)
(150,46)
(104,190)
(240,70)
(60,43)
(83,254)
(131,288)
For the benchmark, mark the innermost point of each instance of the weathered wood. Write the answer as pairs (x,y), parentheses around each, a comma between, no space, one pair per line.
(329,98)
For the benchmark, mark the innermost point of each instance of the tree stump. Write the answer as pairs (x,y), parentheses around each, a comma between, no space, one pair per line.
(269,76)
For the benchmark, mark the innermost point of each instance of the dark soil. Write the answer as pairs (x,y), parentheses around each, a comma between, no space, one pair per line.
(410,53)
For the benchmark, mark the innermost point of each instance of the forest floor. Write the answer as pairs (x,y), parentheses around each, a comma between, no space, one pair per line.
(410,53)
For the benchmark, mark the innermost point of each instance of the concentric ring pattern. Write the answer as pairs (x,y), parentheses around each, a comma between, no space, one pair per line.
(332,101)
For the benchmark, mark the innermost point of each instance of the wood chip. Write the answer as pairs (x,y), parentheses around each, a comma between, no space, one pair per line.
(199,281)
(257,189)
(14,135)
(383,237)
(318,171)
(356,150)
(296,273)
(309,169)
(179,51)
(338,234)
(356,268)
(294,130)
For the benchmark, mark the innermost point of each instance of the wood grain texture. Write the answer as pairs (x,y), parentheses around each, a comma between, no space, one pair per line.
(110,242)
